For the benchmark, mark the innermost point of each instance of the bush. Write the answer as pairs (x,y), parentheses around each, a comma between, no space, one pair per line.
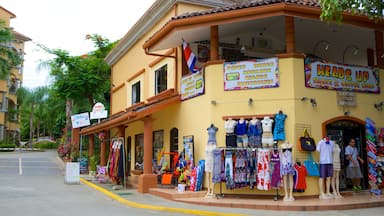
(7,145)
(45,145)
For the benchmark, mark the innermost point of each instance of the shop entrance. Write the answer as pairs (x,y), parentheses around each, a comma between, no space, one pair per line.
(341,130)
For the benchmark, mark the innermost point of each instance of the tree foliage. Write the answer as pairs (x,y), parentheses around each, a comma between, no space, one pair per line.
(333,9)
(86,76)
(9,56)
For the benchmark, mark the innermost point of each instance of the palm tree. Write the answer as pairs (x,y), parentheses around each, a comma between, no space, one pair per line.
(8,55)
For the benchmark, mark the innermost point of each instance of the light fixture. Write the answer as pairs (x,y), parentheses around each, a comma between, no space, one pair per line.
(304,99)
(242,49)
(379,106)
(213,102)
(321,42)
(347,113)
(355,50)
(313,102)
(250,102)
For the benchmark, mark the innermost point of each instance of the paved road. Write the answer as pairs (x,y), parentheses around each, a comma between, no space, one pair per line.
(36,188)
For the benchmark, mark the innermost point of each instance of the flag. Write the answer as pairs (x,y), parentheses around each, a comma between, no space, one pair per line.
(190,57)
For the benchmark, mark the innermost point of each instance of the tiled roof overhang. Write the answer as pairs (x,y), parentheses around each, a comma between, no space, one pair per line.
(135,113)
(195,26)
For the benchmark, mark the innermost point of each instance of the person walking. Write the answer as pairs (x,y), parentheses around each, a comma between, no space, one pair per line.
(353,167)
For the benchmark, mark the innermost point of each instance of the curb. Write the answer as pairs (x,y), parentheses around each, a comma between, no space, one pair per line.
(153,207)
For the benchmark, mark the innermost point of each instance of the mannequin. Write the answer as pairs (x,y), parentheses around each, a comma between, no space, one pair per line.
(267,138)
(230,136)
(335,182)
(325,147)
(211,146)
(287,171)
(254,132)
(241,133)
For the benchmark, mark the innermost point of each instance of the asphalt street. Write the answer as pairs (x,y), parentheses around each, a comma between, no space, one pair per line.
(32,183)
(35,187)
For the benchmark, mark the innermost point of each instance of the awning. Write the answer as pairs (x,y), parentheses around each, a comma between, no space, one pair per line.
(136,114)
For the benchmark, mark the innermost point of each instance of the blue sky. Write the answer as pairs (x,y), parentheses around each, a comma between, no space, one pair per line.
(63,24)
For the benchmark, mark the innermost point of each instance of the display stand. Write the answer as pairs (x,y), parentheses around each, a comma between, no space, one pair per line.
(221,194)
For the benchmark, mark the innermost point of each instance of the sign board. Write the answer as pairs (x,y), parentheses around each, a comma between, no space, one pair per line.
(72,173)
(192,85)
(98,111)
(346,98)
(324,75)
(252,74)
(80,120)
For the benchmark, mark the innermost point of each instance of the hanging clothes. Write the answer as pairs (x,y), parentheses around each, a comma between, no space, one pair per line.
(218,171)
(254,133)
(286,165)
(263,169)
(278,131)
(275,173)
(252,167)
(229,170)
(299,178)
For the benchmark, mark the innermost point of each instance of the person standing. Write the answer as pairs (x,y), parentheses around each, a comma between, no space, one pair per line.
(353,168)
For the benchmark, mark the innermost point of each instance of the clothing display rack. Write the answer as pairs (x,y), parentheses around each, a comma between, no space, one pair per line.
(252,149)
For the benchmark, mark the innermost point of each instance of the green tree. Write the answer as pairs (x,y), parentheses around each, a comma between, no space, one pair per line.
(333,9)
(33,110)
(79,78)
(8,55)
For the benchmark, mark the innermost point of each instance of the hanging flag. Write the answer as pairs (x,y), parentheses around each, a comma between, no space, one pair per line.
(190,57)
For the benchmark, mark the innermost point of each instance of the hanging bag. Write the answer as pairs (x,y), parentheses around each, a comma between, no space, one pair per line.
(307,143)
(311,166)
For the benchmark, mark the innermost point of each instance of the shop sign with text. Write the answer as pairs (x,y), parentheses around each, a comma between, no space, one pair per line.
(260,73)
(325,75)
(192,85)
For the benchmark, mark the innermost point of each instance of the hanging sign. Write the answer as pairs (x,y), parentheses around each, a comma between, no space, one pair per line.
(325,75)
(260,73)
(80,120)
(346,98)
(192,85)
(98,111)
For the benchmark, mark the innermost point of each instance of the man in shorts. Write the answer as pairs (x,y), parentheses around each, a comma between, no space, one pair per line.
(353,168)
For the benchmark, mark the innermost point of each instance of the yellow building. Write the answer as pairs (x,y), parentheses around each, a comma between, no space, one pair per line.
(9,118)
(257,59)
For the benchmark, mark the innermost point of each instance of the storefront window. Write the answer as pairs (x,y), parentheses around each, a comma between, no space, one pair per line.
(158,143)
(139,151)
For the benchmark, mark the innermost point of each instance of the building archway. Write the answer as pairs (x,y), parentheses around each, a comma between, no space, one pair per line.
(341,129)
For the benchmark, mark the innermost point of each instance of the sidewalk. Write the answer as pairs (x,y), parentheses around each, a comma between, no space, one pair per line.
(196,203)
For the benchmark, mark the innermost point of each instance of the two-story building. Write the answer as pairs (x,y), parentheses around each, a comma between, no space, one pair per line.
(257,58)
(9,117)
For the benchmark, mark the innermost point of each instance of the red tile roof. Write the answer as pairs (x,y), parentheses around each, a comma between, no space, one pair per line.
(20,36)
(247,4)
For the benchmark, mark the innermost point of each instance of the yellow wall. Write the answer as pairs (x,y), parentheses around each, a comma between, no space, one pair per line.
(136,59)
(193,116)
(5,16)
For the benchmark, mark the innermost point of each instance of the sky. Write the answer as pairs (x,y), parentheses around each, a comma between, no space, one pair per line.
(63,24)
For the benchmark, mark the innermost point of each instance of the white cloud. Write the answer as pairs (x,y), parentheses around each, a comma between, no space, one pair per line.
(63,24)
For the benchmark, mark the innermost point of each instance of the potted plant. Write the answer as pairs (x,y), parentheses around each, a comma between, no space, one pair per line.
(92,165)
